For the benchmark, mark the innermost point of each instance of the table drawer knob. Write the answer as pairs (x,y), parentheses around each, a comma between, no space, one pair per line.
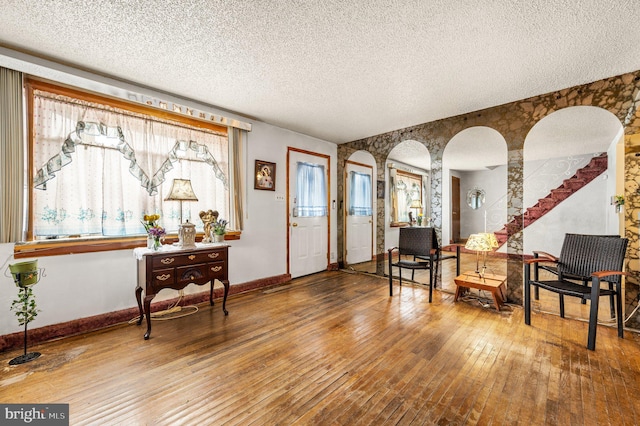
(193,256)
(163,277)
(167,260)
(214,255)
(216,268)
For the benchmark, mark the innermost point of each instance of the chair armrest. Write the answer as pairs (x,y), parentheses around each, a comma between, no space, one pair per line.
(601,274)
(392,249)
(539,260)
(543,254)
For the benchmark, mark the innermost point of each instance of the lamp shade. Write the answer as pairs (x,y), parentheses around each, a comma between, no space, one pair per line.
(481,242)
(415,204)
(181,190)
(491,237)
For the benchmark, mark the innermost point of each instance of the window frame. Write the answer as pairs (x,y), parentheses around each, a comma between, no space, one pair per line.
(415,176)
(31,247)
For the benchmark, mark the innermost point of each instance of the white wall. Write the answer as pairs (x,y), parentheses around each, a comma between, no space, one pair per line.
(582,213)
(493,213)
(82,285)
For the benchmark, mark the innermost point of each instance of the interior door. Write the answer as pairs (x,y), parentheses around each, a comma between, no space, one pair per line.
(359,217)
(455,209)
(308,233)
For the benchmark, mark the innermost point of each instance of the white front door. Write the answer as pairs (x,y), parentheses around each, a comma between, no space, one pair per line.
(308,213)
(359,213)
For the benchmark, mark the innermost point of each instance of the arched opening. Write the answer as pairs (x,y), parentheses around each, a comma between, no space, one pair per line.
(474,184)
(408,180)
(573,168)
(361,202)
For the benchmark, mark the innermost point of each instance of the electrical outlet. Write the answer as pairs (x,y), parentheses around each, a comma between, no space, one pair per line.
(279,197)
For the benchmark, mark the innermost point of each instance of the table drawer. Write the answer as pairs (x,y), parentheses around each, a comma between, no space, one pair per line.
(170,260)
(192,274)
(162,278)
(217,270)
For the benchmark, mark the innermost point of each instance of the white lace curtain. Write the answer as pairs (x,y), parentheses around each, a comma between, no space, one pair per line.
(311,190)
(360,198)
(102,169)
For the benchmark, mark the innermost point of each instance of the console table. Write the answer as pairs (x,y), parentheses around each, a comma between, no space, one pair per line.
(173,267)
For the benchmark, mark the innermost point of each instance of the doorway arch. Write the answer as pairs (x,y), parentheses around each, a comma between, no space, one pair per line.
(554,149)
(411,157)
(477,156)
(357,225)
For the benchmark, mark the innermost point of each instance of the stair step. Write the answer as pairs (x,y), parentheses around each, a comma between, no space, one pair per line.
(588,173)
(561,194)
(601,161)
(547,203)
(574,183)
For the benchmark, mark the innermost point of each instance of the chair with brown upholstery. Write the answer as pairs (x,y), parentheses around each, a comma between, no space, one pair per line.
(597,258)
(417,249)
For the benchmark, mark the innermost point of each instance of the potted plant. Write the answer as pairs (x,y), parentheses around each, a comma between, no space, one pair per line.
(618,201)
(219,229)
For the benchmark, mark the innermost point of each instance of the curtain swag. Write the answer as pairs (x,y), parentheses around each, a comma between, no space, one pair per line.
(57,162)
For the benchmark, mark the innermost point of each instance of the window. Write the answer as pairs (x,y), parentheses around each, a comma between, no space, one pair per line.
(360,201)
(99,165)
(406,187)
(311,190)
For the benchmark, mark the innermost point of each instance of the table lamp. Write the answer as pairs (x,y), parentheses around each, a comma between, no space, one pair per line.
(481,242)
(181,190)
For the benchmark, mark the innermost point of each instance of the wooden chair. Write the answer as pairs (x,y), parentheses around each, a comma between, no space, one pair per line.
(421,245)
(599,258)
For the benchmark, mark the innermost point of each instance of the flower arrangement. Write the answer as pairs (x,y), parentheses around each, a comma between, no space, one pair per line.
(220,227)
(155,232)
(420,219)
(618,201)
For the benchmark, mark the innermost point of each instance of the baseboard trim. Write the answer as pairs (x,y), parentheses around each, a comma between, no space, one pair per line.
(109,319)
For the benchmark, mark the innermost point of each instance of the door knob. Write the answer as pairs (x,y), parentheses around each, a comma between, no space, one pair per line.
(294,224)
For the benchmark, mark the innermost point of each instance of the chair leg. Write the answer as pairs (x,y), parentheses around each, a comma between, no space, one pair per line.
(583,300)
(593,313)
(612,302)
(430,282)
(619,309)
(536,277)
(561,305)
(527,295)
(390,274)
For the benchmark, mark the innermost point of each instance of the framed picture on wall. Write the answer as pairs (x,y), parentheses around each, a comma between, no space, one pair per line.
(265,176)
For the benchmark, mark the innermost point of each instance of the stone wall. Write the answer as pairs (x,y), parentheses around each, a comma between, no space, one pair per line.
(618,95)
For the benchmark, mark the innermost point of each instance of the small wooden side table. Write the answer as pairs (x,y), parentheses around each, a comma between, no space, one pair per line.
(496,284)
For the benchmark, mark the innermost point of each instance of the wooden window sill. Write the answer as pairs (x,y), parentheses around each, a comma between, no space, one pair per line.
(59,247)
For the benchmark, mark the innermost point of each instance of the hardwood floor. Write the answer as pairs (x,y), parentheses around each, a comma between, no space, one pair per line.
(335,349)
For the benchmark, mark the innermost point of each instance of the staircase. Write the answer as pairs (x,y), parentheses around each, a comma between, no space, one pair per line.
(583,176)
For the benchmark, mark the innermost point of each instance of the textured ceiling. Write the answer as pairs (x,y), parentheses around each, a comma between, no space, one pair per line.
(334,69)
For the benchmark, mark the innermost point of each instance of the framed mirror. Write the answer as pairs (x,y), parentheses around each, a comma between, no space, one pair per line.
(475,198)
